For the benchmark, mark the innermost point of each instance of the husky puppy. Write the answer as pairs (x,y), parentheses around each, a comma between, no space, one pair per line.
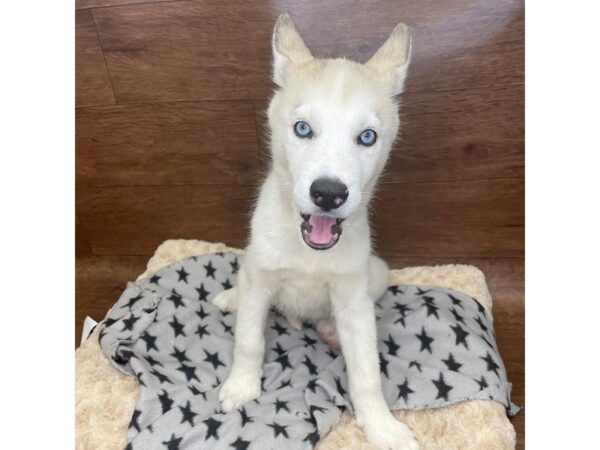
(332,124)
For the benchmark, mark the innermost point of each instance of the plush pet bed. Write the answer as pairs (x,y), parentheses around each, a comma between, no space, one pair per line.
(106,398)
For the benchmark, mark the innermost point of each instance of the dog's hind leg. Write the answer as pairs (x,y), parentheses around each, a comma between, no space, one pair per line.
(227,300)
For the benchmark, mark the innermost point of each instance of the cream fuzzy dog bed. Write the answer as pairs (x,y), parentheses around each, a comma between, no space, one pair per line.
(105,397)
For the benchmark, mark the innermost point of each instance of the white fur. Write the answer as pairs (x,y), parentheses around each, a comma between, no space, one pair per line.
(339,99)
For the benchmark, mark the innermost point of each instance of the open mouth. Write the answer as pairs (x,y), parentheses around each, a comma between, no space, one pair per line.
(320,232)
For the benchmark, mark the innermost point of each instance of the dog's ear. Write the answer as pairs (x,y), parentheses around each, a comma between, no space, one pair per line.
(392,59)
(289,50)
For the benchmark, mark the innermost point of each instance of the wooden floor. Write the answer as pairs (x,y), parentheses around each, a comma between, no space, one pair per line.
(170,100)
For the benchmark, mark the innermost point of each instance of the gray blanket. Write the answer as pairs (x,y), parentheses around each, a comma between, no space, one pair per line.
(436,347)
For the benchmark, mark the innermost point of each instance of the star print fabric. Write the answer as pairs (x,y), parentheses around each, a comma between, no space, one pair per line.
(436,346)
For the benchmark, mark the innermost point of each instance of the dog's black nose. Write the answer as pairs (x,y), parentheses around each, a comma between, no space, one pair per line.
(328,194)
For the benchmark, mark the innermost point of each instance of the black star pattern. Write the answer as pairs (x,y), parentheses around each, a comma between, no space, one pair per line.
(391,345)
(179,355)
(176,299)
(480,307)
(154,279)
(284,361)
(182,275)
(489,344)
(187,415)
(457,316)
(426,340)
(395,290)
(456,301)
(128,447)
(281,330)
(140,380)
(210,270)
(194,390)
(404,390)
(491,364)
(332,353)
(422,292)
(316,408)
(383,363)
(212,428)
(152,361)
(213,358)
(240,444)
(279,429)
(451,363)
(280,404)
(133,301)
(285,383)
(312,438)
(244,416)
(227,328)
(415,364)
(279,349)
(402,310)
(202,293)
(161,376)
(482,383)
(442,387)
(189,371)
(226,284)
(129,323)
(173,443)
(432,309)
(338,385)
(461,335)
(108,322)
(202,314)
(177,327)
(201,331)
(134,420)
(310,342)
(312,369)
(481,324)
(235,267)
(165,401)
(312,385)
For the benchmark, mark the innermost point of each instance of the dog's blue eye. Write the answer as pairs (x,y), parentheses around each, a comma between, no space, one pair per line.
(367,138)
(302,129)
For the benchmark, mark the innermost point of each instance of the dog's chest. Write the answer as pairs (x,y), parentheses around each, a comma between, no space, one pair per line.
(305,295)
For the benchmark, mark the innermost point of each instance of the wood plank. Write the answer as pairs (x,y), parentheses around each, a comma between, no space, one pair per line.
(462,218)
(84,4)
(205,50)
(98,284)
(467,218)
(167,143)
(92,82)
(82,245)
(133,220)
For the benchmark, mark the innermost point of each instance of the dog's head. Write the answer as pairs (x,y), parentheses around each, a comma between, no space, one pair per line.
(332,122)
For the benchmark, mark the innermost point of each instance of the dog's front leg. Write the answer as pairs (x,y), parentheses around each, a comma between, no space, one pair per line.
(355,319)
(243,382)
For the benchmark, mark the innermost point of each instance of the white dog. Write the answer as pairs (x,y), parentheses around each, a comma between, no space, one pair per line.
(332,123)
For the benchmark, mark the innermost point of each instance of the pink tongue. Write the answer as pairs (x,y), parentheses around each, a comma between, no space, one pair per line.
(321,229)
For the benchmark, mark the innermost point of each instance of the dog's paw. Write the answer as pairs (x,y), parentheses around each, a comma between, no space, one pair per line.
(226,300)
(238,390)
(387,433)
(327,332)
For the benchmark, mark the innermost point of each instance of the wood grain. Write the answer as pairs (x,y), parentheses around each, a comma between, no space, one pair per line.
(468,218)
(133,220)
(92,82)
(211,49)
(167,143)
(82,245)
(83,4)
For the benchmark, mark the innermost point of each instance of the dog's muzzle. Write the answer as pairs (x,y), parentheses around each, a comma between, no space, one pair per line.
(320,232)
